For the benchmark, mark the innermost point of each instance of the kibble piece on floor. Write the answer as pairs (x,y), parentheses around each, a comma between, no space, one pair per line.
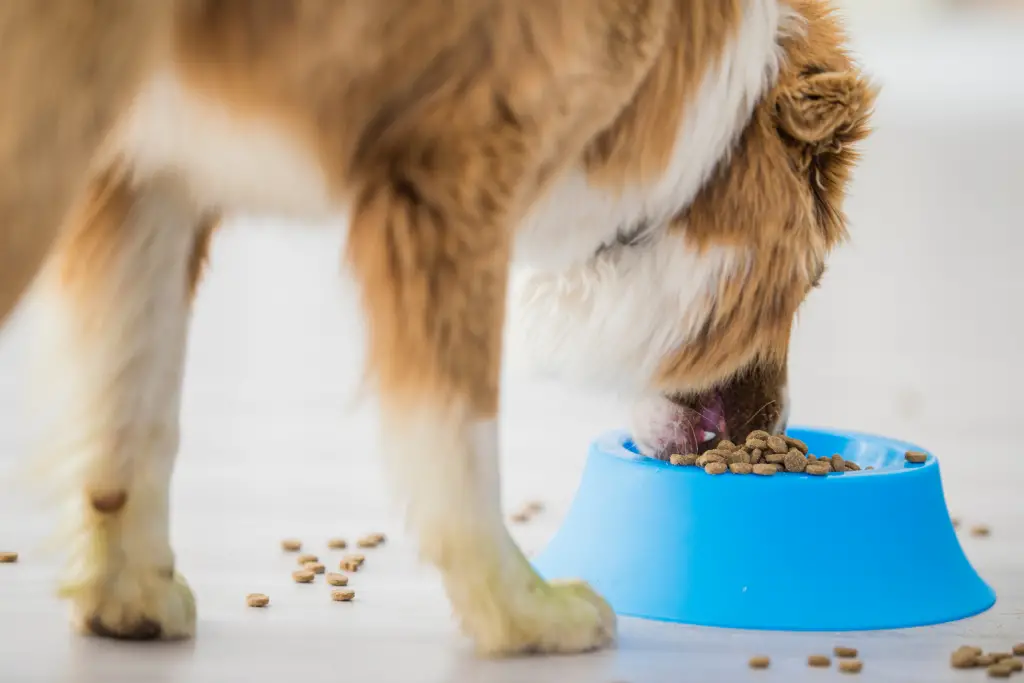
(760,662)
(999,671)
(980,530)
(1014,664)
(977,651)
(315,567)
(337,543)
(843,651)
(1018,649)
(796,443)
(7,557)
(257,600)
(370,542)
(778,444)
(1000,656)
(307,557)
(851,666)
(741,468)
(985,660)
(291,545)
(303,576)
(343,595)
(336,579)
(765,469)
(819,660)
(715,468)
(795,461)
(915,456)
(963,658)
(352,563)
(817,470)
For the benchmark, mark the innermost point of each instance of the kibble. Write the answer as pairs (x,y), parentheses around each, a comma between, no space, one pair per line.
(796,443)
(980,530)
(999,671)
(303,576)
(819,660)
(373,542)
(985,660)
(315,567)
(291,545)
(778,444)
(344,595)
(715,468)
(306,558)
(842,651)
(741,468)
(756,456)
(1014,664)
(757,443)
(1018,649)
(715,455)
(775,458)
(838,463)
(964,658)
(759,662)
(916,457)
(765,469)
(257,600)
(519,517)
(336,579)
(851,466)
(726,445)
(851,666)
(1000,656)
(7,557)
(817,470)
(795,461)
(758,434)
(687,460)
(352,563)
(337,543)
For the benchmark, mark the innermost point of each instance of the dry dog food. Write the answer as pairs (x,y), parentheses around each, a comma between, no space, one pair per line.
(841,651)
(8,557)
(343,595)
(291,545)
(335,579)
(915,456)
(965,657)
(980,530)
(306,558)
(1018,649)
(984,660)
(765,455)
(819,660)
(519,517)
(352,563)
(715,468)
(1014,664)
(759,662)
(337,543)
(303,576)
(257,600)
(315,567)
(851,666)
(999,671)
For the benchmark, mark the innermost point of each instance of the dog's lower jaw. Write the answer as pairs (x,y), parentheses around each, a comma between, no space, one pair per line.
(661,427)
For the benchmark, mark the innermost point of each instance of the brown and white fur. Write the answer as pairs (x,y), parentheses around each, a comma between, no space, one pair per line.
(659,180)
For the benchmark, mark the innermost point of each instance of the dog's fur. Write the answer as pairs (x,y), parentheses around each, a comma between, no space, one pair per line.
(666,176)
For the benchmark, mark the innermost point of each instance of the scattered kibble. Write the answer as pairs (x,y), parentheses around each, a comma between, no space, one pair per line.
(1000,656)
(1018,649)
(306,558)
(916,457)
(842,651)
(337,543)
(965,657)
(851,666)
(1014,664)
(352,563)
(375,539)
(291,545)
(8,557)
(335,579)
(303,576)
(759,662)
(985,660)
(999,670)
(819,661)
(315,567)
(980,530)
(344,595)
(257,600)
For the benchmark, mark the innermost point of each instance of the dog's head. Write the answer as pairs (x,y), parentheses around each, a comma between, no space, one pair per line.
(777,200)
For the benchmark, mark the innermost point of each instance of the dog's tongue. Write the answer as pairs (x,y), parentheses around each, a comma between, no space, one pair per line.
(711,411)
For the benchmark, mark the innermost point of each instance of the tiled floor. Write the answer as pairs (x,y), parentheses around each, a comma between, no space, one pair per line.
(915,333)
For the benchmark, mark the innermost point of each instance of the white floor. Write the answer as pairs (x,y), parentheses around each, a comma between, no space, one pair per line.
(915,333)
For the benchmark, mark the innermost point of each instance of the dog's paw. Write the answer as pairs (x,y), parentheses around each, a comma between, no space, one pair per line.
(560,617)
(134,604)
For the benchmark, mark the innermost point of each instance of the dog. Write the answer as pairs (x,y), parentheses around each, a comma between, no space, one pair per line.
(650,188)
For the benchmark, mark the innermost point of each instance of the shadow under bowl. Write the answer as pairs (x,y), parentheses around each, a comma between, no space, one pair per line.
(871,549)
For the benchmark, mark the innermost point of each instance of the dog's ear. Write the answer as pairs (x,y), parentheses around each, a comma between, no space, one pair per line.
(818,107)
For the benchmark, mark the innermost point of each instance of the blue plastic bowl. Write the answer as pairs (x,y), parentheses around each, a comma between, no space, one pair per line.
(849,551)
